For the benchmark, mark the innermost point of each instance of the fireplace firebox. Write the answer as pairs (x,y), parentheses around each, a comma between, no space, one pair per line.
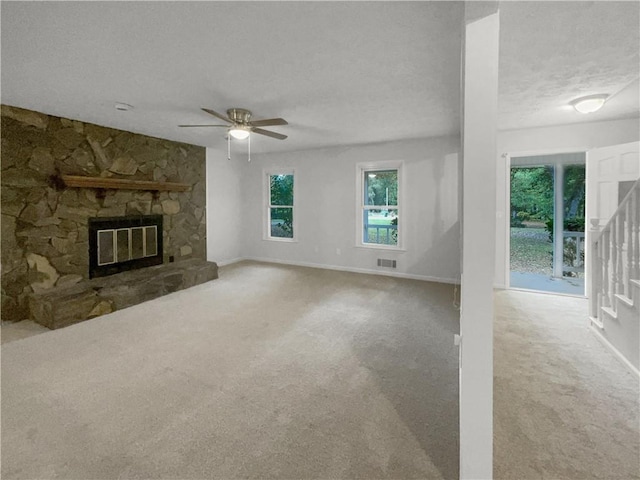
(117,244)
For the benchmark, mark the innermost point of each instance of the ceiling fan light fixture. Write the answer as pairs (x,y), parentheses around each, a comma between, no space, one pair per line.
(589,104)
(239,133)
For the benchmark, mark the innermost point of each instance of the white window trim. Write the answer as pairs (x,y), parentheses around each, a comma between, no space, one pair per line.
(361,168)
(266,204)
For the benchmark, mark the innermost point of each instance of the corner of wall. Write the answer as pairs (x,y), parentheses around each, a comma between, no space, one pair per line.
(224,207)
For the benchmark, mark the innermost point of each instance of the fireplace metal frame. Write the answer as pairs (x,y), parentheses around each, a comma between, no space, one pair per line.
(109,223)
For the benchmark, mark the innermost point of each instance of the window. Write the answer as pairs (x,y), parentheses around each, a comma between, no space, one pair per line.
(280,223)
(379,205)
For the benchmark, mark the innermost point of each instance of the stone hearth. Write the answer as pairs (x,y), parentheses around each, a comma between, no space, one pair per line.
(66,305)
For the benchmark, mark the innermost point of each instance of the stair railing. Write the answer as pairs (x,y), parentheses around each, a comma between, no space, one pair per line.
(615,256)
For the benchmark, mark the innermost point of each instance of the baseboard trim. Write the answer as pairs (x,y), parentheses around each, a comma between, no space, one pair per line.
(596,322)
(224,263)
(339,268)
(614,350)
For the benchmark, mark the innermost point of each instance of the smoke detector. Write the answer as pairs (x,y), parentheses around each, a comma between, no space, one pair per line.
(123,107)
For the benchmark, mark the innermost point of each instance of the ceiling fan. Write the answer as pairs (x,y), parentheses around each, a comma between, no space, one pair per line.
(241,125)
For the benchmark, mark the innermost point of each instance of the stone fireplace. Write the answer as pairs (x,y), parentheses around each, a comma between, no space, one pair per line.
(60,253)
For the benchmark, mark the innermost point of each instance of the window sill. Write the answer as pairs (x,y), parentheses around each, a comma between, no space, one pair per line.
(276,239)
(388,248)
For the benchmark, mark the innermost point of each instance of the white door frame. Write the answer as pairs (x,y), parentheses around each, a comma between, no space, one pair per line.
(507,207)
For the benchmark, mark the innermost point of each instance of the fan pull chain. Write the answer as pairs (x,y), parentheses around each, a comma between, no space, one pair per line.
(228,147)
(249,147)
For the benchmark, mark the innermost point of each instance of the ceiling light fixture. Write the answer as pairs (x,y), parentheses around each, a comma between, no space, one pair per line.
(589,104)
(239,132)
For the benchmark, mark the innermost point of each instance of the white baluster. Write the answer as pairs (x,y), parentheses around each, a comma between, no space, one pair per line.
(600,278)
(628,235)
(594,268)
(635,229)
(613,240)
(606,252)
(619,253)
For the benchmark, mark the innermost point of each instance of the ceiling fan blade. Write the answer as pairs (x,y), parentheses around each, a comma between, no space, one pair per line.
(268,122)
(216,114)
(225,126)
(269,133)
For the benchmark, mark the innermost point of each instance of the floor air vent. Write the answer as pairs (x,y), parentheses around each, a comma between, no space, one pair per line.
(384,262)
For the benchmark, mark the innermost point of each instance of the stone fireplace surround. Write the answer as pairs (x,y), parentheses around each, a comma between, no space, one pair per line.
(45,254)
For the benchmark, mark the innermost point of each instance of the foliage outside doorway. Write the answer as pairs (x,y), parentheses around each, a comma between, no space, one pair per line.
(532,212)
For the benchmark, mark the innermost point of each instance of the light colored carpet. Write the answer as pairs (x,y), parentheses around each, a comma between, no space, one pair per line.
(564,406)
(268,372)
(12,331)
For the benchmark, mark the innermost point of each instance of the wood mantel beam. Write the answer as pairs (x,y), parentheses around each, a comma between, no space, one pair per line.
(122,184)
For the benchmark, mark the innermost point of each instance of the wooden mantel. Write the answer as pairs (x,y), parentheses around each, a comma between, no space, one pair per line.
(106,183)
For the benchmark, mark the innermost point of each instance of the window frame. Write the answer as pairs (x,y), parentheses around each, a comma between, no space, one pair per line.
(266,210)
(363,169)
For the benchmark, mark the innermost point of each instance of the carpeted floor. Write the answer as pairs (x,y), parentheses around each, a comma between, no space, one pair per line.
(564,406)
(284,372)
(268,372)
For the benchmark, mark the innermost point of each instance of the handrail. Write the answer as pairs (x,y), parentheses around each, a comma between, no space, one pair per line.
(621,207)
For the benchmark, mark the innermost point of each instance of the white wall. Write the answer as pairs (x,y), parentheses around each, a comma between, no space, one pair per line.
(587,135)
(577,137)
(224,207)
(326,208)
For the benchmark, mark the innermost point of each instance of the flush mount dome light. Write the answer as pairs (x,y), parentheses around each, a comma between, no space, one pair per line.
(589,104)
(239,132)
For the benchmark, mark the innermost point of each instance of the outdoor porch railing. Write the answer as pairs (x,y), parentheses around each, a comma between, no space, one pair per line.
(573,247)
(615,256)
(370,237)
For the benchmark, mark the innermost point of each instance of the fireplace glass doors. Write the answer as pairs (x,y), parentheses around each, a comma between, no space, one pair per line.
(124,243)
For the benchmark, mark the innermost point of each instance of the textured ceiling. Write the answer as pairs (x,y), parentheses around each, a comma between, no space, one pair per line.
(340,72)
(554,52)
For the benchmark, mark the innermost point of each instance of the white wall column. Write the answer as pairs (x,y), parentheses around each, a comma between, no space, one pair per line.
(478,247)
